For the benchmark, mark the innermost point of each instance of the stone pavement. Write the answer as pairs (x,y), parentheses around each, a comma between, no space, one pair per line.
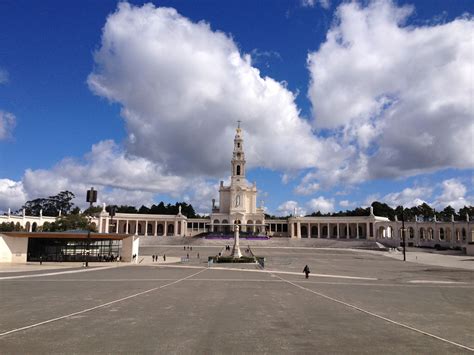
(435,258)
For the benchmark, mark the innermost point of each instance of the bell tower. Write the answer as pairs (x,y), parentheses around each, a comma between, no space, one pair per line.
(238,159)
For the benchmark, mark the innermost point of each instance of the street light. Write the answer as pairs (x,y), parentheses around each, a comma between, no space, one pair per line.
(403,235)
(112,214)
(91,197)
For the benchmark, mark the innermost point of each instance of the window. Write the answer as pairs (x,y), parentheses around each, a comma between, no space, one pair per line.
(238,170)
(238,145)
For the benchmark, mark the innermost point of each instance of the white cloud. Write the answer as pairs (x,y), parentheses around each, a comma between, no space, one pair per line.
(326,4)
(409,197)
(183,86)
(12,195)
(380,87)
(321,204)
(307,188)
(119,177)
(346,204)
(289,207)
(453,194)
(4,77)
(7,124)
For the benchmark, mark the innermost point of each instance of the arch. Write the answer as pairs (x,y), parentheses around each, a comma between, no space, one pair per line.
(139,228)
(463,234)
(411,233)
(225,228)
(216,226)
(448,234)
(27,226)
(381,232)
(441,234)
(314,231)
(430,235)
(238,170)
(304,232)
(361,231)
(422,233)
(170,229)
(125,228)
(346,234)
(334,231)
(34,227)
(324,234)
(458,234)
(160,229)
(389,232)
(149,229)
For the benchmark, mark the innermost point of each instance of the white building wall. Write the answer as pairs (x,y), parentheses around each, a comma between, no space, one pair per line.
(13,250)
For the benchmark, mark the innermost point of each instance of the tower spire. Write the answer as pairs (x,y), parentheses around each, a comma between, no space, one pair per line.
(238,156)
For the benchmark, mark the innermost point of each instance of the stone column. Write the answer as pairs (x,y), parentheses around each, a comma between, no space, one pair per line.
(165,232)
(309,230)
(156,229)
(146,229)
(318,226)
(127,230)
(348,234)
(176,228)
(136,227)
(357,231)
(236,253)
(367,230)
(329,231)
(298,230)
(337,231)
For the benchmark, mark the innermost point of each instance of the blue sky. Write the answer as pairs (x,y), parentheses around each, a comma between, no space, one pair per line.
(341,103)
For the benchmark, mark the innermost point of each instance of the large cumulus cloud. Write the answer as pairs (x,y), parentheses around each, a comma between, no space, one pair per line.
(183,86)
(401,95)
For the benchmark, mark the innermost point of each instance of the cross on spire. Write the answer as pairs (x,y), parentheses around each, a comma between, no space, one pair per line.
(238,123)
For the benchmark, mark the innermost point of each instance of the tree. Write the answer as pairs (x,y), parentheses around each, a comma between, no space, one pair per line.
(466,210)
(7,227)
(91,211)
(69,222)
(383,210)
(51,205)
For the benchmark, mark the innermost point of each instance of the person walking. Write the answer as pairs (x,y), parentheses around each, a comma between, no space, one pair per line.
(164,257)
(306,271)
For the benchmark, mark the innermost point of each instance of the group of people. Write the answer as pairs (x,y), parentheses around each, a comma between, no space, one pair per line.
(187,248)
(108,258)
(155,257)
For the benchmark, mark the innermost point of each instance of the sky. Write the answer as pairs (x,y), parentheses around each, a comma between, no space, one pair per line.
(341,103)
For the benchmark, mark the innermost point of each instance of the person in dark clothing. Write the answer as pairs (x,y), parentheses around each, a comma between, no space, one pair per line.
(306,271)
(164,257)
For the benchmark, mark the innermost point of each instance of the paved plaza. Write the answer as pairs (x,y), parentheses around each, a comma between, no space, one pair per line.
(353,302)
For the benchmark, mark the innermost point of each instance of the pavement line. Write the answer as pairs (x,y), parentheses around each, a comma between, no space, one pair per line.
(458,285)
(60,272)
(435,282)
(277,272)
(379,316)
(99,306)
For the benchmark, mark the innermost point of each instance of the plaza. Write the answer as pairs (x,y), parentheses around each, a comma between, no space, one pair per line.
(354,301)
(238,206)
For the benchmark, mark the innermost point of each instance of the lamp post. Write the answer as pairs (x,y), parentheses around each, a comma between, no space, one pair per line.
(112,214)
(403,235)
(91,197)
